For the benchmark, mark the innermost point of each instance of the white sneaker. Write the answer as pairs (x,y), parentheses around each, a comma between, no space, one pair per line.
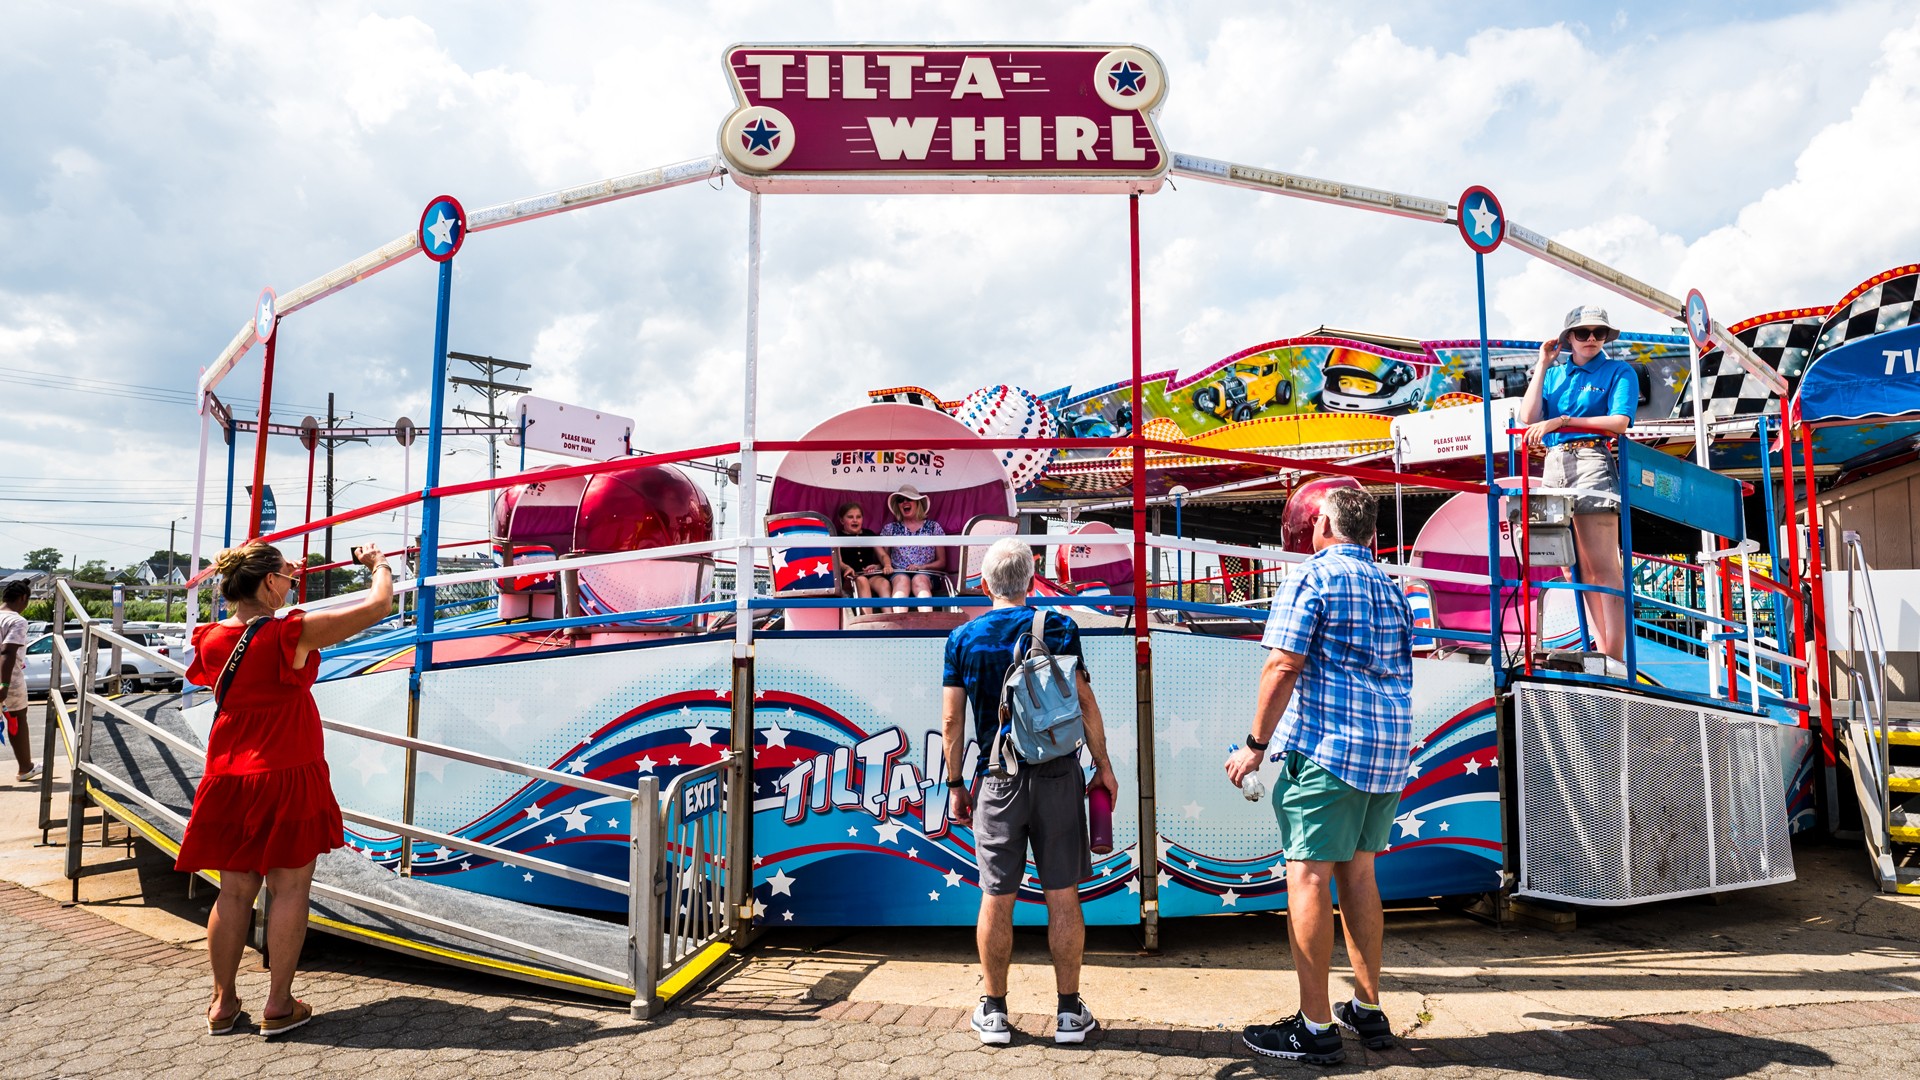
(992,1027)
(1072,1027)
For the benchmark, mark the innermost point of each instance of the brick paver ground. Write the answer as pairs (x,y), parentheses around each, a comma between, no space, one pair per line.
(81,997)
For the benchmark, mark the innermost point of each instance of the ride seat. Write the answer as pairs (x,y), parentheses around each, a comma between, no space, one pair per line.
(804,569)
(1458,606)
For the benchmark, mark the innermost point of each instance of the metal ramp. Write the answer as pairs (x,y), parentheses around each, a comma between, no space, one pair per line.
(140,763)
(1881,752)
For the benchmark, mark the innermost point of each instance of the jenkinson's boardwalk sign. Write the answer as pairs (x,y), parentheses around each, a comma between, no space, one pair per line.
(1049,118)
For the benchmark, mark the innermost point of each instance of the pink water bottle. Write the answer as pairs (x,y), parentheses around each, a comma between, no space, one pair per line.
(1099,820)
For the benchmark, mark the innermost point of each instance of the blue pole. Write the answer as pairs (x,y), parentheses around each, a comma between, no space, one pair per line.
(430,506)
(226,539)
(523,445)
(1495,631)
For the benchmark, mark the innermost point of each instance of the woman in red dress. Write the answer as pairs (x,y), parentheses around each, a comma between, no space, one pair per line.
(264,810)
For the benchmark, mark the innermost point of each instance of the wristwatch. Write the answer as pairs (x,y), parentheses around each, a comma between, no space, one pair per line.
(1254,744)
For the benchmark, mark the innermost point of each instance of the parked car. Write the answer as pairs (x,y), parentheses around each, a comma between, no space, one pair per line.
(135,669)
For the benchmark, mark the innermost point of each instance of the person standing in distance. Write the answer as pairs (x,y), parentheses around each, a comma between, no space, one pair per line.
(1336,700)
(1045,804)
(1592,390)
(13,676)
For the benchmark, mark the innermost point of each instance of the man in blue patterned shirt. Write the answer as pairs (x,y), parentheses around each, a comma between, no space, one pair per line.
(1336,705)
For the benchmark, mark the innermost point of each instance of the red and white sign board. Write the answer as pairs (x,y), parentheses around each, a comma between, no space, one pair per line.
(571,430)
(1049,118)
(1454,432)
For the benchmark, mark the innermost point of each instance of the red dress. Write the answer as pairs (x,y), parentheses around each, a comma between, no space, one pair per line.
(266,800)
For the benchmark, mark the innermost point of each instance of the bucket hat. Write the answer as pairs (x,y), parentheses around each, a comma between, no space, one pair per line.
(1587,315)
(907,492)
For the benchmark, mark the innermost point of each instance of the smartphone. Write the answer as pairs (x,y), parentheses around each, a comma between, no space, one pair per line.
(358,551)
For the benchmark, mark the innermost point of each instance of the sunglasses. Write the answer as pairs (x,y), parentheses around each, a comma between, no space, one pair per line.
(1584,333)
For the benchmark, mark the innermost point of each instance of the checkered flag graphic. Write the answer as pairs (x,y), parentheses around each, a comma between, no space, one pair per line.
(1883,303)
(1783,339)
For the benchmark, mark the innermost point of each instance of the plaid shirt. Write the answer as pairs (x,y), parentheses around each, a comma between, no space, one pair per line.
(1352,708)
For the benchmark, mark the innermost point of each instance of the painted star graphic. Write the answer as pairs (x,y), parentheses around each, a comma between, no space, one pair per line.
(442,853)
(1413,770)
(787,915)
(889,832)
(853,830)
(702,735)
(1447,826)
(780,883)
(1127,78)
(578,766)
(758,909)
(1133,885)
(1411,825)
(1473,767)
(776,735)
(953,879)
(442,230)
(674,761)
(1484,219)
(1230,898)
(1246,878)
(613,823)
(1193,809)
(759,137)
(533,813)
(526,877)
(1278,869)
(757,860)
(913,853)
(551,839)
(576,820)
(646,764)
(931,895)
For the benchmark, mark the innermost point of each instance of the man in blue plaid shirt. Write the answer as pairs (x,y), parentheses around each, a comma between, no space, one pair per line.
(1336,706)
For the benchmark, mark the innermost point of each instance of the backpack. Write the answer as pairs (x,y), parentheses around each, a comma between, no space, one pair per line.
(1039,705)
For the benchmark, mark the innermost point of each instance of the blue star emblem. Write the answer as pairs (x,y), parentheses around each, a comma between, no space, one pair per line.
(1485,221)
(1127,77)
(759,137)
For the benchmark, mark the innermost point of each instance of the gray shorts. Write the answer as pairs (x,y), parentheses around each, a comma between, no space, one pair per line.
(1583,465)
(1042,804)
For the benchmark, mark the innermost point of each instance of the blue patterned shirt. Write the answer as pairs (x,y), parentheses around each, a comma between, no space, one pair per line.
(1352,707)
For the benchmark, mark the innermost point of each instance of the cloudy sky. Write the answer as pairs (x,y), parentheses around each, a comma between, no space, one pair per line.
(162,162)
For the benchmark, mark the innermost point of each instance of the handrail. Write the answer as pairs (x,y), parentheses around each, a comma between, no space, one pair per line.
(1868,619)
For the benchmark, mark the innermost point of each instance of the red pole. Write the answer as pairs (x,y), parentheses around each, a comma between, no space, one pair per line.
(1817,663)
(1726,612)
(260,435)
(306,538)
(1791,503)
(1149,831)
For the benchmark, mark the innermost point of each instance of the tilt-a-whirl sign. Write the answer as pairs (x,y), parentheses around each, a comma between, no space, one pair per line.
(1032,118)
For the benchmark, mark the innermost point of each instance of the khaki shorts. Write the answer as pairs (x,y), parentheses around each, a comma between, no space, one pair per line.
(1586,466)
(1325,819)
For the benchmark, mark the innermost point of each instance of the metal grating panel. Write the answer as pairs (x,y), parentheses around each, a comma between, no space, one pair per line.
(1625,799)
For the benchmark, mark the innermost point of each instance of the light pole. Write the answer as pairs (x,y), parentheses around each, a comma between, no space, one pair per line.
(1179,493)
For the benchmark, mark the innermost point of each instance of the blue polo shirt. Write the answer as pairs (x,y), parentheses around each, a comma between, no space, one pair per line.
(1602,387)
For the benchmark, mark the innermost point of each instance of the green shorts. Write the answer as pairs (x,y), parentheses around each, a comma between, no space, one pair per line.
(1325,819)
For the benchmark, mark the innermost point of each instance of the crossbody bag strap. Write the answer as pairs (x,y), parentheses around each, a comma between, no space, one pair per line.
(233,662)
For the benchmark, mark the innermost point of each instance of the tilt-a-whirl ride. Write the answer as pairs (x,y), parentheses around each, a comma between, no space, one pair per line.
(614,751)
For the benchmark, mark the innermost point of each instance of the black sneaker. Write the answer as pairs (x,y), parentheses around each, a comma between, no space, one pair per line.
(991,1025)
(1370,1024)
(1293,1040)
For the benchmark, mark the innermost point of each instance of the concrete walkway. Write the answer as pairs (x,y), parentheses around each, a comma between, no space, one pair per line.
(1822,975)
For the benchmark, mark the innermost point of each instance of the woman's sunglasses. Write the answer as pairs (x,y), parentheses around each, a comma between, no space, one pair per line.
(1582,333)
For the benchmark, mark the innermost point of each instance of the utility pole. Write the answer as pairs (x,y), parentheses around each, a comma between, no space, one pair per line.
(168,617)
(493,389)
(333,421)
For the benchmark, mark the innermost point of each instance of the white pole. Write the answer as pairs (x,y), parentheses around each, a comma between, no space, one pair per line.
(199,509)
(1709,568)
(749,522)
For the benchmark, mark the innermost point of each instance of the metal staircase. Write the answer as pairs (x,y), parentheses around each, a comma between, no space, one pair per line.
(1882,753)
